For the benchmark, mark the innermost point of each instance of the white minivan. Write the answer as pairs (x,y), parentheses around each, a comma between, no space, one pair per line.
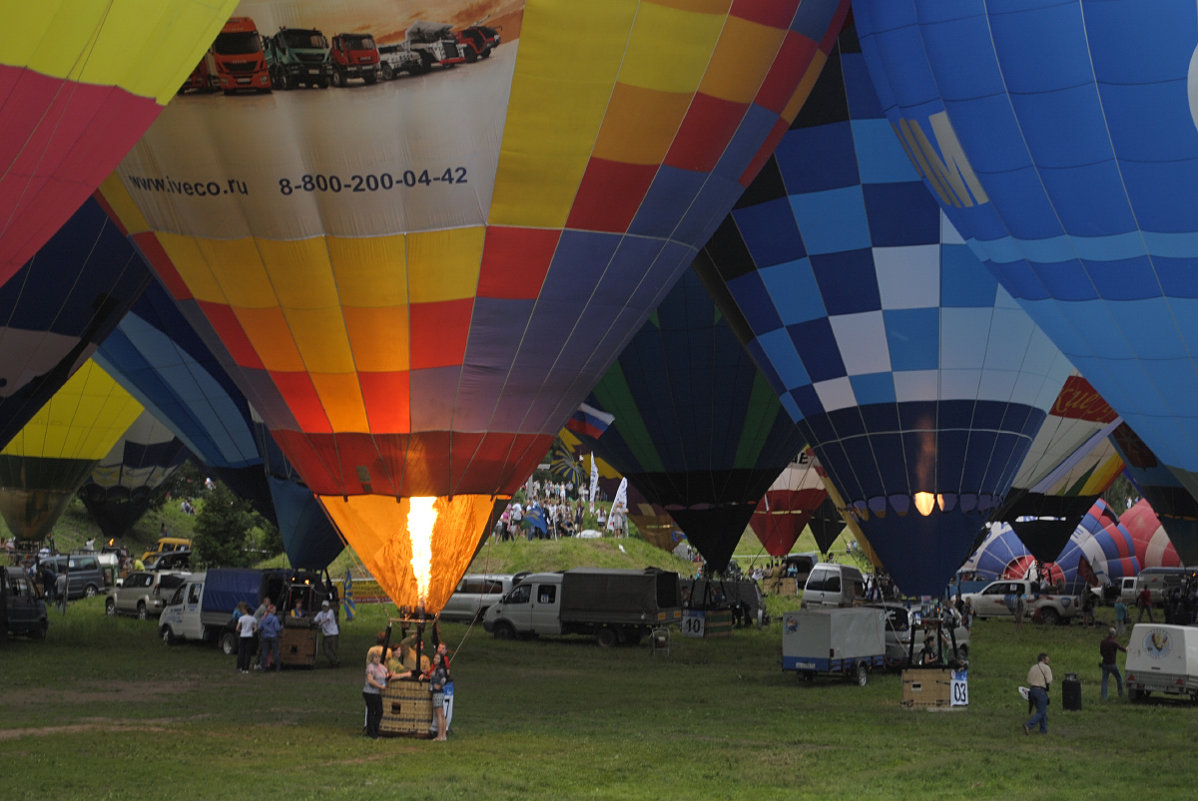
(832,584)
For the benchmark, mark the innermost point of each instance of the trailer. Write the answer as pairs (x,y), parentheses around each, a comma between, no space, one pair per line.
(849,642)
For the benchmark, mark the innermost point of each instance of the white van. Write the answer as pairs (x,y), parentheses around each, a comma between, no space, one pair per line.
(476,593)
(1162,658)
(832,584)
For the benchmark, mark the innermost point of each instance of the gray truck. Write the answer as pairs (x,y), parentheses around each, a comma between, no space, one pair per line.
(613,606)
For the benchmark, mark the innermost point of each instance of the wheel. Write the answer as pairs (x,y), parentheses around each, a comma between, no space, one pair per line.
(338,79)
(91,591)
(110,607)
(862,675)
(808,676)
(39,631)
(504,631)
(370,78)
(141,610)
(1050,616)
(228,643)
(606,637)
(168,636)
(1133,694)
(388,72)
(471,56)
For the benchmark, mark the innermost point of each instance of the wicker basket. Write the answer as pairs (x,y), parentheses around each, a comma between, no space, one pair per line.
(407,710)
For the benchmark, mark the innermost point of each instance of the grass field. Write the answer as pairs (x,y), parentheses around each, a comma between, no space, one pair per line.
(103,710)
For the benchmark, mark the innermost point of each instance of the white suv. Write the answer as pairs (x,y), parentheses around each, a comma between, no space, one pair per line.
(143,594)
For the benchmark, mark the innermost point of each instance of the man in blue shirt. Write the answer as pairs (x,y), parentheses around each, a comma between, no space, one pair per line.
(268,633)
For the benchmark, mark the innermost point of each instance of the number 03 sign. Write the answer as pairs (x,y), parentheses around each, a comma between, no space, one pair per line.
(960,688)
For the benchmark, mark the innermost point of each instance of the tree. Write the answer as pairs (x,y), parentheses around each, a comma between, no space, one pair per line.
(221,530)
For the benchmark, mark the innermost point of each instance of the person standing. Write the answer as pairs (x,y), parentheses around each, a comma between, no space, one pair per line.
(1144,603)
(1121,617)
(1109,648)
(1020,610)
(438,677)
(246,627)
(60,591)
(268,632)
(330,634)
(1039,681)
(372,690)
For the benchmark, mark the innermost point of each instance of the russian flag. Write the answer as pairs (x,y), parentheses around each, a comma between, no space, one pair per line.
(589,421)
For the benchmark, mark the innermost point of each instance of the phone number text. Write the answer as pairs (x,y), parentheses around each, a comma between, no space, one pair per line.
(371,182)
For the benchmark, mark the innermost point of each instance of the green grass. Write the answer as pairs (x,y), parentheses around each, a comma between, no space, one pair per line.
(103,710)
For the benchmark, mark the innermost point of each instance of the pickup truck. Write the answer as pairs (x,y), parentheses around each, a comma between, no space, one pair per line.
(997,599)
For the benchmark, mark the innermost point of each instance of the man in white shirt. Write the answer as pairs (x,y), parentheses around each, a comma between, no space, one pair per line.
(329,632)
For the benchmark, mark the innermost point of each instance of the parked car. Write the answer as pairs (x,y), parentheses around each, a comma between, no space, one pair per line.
(144,594)
(171,560)
(22,610)
(903,623)
(85,577)
(475,593)
(833,584)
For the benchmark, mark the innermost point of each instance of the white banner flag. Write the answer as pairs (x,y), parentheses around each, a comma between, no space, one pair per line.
(619,507)
(594,482)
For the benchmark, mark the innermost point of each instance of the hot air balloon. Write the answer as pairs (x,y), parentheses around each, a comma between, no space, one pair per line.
(1171,503)
(917,381)
(1060,139)
(697,429)
(157,356)
(121,485)
(48,459)
(79,83)
(419,280)
(1153,548)
(58,307)
(1071,463)
(789,504)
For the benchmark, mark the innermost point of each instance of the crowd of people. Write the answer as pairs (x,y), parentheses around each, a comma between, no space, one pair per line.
(406,662)
(554,510)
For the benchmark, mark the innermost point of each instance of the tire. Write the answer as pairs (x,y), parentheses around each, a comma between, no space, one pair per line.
(808,676)
(1050,616)
(504,631)
(862,674)
(228,643)
(39,631)
(371,78)
(388,72)
(91,591)
(1133,695)
(338,79)
(606,637)
(168,636)
(110,607)
(141,610)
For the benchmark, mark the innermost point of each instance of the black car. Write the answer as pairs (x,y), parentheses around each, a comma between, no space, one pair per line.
(22,610)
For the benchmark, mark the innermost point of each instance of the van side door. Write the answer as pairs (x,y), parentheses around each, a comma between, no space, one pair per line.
(546,608)
(193,594)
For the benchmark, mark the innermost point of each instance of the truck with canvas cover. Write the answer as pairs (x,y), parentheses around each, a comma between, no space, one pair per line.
(614,606)
(202,607)
(298,56)
(1162,658)
(354,55)
(844,641)
(238,58)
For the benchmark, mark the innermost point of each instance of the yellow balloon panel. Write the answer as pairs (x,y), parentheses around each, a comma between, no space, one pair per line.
(83,420)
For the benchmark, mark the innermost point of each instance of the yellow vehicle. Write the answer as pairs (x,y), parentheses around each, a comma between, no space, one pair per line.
(166,545)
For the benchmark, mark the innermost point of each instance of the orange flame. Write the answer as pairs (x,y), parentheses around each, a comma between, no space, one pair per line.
(421,517)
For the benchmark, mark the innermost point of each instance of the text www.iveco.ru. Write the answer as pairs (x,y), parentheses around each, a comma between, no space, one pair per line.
(308,182)
(200,188)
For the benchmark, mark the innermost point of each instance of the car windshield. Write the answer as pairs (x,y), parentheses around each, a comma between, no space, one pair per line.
(237,44)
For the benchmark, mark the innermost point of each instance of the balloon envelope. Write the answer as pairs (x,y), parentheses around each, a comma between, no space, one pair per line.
(48,459)
(416,301)
(697,429)
(59,306)
(917,381)
(1071,166)
(121,485)
(79,83)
